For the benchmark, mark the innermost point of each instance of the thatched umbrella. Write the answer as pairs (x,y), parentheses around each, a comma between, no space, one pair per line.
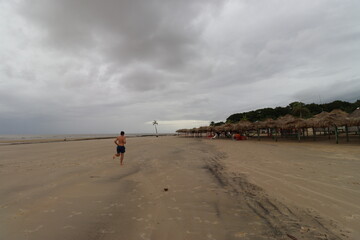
(219,129)
(355,114)
(290,122)
(335,118)
(311,123)
(355,119)
(243,125)
(267,124)
(257,125)
(228,127)
(203,129)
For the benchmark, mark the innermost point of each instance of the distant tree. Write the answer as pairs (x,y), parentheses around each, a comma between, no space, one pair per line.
(212,123)
(219,123)
(314,108)
(298,109)
(155,124)
(281,111)
(342,105)
(235,117)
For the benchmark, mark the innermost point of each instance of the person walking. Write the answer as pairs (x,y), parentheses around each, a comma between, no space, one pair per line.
(120,142)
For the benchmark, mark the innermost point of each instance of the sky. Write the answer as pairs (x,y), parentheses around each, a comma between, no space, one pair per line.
(89,66)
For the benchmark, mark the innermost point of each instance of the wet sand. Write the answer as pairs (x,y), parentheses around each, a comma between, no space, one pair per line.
(179,188)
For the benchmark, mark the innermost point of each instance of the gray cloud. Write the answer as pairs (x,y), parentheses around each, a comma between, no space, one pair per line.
(96,66)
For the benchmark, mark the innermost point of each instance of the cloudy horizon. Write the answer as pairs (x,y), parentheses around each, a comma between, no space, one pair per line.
(77,66)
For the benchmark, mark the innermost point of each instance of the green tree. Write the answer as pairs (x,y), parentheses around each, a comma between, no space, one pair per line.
(298,109)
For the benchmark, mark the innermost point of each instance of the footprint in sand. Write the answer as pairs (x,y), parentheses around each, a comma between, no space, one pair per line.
(74,214)
(22,212)
(352,217)
(107,214)
(49,211)
(144,237)
(240,234)
(175,208)
(104,231)
(34,230)
(210,236)
(68,227)
(137,219)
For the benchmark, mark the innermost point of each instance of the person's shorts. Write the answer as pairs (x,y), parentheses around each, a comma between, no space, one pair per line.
(120,149)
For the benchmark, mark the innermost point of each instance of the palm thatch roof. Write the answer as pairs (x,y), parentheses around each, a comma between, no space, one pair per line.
(227,127)
(204,129)
(243,125)
(355,117)
(268,123)
(355,114)
(289,122)
(334,118)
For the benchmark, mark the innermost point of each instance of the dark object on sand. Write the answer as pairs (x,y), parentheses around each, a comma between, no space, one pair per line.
(166,189)
(292,237)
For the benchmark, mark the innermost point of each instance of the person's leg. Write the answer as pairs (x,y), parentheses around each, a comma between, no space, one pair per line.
(121,158)
(116,155)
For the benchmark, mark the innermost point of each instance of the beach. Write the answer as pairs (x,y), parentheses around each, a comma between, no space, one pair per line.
(180,188)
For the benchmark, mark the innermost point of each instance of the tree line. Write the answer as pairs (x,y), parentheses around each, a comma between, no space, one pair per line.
(297,109)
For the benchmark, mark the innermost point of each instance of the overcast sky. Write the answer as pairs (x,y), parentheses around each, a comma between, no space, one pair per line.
(89,66)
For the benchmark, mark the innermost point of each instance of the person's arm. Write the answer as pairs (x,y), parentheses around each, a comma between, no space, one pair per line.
(116,142)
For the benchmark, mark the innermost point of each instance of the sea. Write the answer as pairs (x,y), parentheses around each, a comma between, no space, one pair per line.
(15,137)
(19,138)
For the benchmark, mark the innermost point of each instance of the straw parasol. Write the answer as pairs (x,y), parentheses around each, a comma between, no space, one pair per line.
(335,118)
(268,123)
(228,127)
(243,125)
(356,113)
(286,122)
(355,117)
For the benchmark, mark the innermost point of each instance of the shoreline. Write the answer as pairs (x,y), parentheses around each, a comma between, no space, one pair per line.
(57,140)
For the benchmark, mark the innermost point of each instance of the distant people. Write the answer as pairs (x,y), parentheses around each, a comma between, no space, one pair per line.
(120,142)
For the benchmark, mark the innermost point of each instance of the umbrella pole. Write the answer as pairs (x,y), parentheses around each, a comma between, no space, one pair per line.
(314,133)
(298,134)
(358,131)
(347,133)
(336,135)
(276,134)
(258,133)
(328,132)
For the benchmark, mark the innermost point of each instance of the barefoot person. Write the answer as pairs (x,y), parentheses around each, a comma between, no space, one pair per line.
(120,141)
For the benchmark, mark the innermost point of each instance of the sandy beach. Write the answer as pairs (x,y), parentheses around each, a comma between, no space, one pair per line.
(180,188)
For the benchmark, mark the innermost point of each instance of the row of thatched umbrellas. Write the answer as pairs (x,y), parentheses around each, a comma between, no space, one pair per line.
(324,120)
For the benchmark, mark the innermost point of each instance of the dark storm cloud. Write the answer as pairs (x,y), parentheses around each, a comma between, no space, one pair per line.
(347,90)
(161,32)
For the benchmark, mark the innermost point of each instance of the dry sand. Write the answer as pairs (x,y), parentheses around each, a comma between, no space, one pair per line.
(180,188)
